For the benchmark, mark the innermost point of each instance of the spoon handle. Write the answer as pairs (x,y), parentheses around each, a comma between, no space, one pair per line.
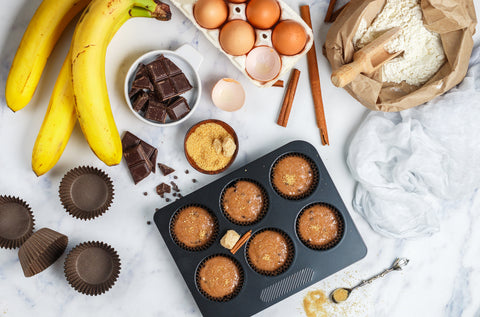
(396,266)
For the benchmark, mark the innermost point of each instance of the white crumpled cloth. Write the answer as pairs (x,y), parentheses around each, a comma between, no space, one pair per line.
(410,164)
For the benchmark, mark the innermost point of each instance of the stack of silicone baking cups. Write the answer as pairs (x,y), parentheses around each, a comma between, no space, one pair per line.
(263,64)
(299,259)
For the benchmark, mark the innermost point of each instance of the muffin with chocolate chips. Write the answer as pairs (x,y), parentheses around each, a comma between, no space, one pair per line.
(243,202)
(194,227)
(293,176)
(219,277)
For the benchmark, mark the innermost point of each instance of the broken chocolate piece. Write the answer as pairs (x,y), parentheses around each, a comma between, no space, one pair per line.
(142,82)
(153,160)
(133,92)
(165,89)
(165,169)
(156,70)
(163,188)
(141,71)
(139,171)
(156,113)
(140,101)
(174,186)
(178,109)
(140,156)
(170,67)
(180,83)
(135,155)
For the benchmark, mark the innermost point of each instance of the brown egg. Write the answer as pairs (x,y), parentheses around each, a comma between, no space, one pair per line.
(210,14)
(263,14)
(289,37)
(237,37)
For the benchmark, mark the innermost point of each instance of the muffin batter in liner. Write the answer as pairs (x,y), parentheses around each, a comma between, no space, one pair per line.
(313,185)
(15,242)
(208,243)
(288,261)
(262,213)
(227,297)
(340,228)
(73,204)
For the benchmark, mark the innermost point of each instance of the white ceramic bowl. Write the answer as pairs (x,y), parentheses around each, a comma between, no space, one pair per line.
(188,60)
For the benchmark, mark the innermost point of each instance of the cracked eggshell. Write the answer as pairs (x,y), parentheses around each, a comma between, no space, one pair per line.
(228,95)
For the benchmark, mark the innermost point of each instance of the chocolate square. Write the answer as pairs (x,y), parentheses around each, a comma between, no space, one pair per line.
(140,102)
(147,148)
(142,82)
(178,109)
(139,171)
(133,92)
(180,83)
(165,89)
(170,67)
(156,113)
(156,70)
(129,140)
(135,155)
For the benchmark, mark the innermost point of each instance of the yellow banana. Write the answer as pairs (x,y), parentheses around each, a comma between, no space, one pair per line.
(60,117)
(88,71)
(41,35)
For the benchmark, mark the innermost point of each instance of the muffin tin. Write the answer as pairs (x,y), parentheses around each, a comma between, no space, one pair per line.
(307,266)
(262,37)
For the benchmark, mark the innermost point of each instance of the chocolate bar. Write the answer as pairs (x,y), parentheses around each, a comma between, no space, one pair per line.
(178,109)
(140,156)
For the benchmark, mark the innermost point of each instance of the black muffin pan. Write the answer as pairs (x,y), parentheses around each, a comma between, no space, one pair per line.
(308,265)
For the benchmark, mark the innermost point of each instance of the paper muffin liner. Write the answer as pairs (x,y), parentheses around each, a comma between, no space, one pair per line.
(288,261)
(41,250)
(9,243)
(77,282)
(227,297)
(315,177)
(66,196)
(180,243)
(262,213)
(334,242)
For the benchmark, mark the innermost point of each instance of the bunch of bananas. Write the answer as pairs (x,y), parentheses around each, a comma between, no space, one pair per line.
(80,90)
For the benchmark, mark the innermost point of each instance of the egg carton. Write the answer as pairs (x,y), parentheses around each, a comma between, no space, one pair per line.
(263,37)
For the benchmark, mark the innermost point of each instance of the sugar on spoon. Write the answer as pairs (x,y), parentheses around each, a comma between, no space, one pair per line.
(341,294)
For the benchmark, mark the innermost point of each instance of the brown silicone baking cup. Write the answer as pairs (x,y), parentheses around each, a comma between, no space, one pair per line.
(182,245)
(334,242)
(262,213)
(16,222)
(41,250)
(315,177)
(92,267)
(86,192)
(288,261)
(227,297)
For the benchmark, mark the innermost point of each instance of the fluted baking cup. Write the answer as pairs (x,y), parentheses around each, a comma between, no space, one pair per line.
(286,264)
(237,289)
(41,250)
(86,192)
(16,222)
(262,213)
(92,268)
(202,247)
(340,228)
(315,177)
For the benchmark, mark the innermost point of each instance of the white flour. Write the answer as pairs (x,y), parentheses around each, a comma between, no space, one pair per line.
(423,52)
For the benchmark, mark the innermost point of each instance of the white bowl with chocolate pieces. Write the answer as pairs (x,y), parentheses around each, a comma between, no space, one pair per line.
(162,88)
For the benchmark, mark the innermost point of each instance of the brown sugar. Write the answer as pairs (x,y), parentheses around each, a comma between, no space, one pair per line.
(203,146)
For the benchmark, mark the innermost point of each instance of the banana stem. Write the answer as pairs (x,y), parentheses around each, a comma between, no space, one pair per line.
(137,12)
(158,9)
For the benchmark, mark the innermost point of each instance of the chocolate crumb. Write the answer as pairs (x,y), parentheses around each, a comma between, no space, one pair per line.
(145,193)
(194,180)
(149,222)
(167,200)
(174,194)
(174,186)
(186,172)
(162,189)
(175,177)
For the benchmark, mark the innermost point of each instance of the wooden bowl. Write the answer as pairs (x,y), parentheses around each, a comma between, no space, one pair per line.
(228,128)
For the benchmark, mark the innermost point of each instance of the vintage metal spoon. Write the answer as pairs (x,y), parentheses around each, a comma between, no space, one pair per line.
(341,294)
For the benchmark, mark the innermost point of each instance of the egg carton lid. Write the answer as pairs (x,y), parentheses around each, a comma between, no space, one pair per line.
(287,13)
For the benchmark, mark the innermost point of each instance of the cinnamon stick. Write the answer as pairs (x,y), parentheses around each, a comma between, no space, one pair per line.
(288,98)
(337,12)
(278,83)
(328,16)
(315,81)
(241,241)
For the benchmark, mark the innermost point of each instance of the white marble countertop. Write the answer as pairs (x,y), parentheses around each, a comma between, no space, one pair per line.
(442,279)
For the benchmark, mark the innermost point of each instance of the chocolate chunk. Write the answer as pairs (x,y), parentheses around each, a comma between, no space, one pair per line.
(165,89)
(165,169)
(186,172)
(136,155)
(175,177)
(140,101)
(141,71)
(139,171)
(153,159)
(194,180)
(147,148)
(180,83)
(142,82)
(149,222)
(174,186)
(167,200)
(163,188)
(156,70)
(156,113)
(145,194)
(133,92)
(170,67)
(178,109)
(129,140)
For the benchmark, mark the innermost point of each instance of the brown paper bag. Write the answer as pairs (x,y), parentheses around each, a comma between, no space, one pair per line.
(454,20)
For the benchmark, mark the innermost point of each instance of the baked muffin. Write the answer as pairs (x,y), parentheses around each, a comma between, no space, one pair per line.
(194,226)
(219,277)
(268,251)
(243,202)
(293,176)
(318,225)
